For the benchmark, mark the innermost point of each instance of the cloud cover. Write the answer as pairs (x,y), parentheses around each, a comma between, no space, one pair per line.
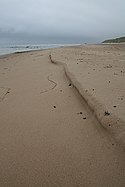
(55,21)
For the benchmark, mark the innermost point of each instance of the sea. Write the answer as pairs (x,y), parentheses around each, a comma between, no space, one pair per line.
(12,48)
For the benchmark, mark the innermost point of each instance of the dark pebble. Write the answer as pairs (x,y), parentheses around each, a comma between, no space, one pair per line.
(70,84)
(84,118)
(54,106)
(80,112)
(107,113)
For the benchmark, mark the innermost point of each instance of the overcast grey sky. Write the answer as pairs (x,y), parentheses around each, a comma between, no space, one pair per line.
(56,21)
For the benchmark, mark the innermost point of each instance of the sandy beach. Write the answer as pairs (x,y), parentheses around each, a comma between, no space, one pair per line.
(62,117)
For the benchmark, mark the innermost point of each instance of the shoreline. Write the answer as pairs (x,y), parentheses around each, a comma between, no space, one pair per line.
(28,48)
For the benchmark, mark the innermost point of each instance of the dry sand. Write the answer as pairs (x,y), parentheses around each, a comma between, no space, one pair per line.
(48,135)
(98,72)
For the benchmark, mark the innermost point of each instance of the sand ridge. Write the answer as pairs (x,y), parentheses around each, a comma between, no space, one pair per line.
(98,72)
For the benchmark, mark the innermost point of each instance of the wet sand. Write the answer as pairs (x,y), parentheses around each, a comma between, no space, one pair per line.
(48,134)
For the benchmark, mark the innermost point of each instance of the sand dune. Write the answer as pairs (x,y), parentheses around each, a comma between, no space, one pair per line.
(48,134)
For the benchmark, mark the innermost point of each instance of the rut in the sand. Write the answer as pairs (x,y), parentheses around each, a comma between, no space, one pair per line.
(3,92)
(53,82)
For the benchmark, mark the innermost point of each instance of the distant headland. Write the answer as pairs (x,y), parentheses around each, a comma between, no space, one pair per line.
(116,40)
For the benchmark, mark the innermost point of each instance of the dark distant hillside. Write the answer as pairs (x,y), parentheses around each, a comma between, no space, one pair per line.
(116,40)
